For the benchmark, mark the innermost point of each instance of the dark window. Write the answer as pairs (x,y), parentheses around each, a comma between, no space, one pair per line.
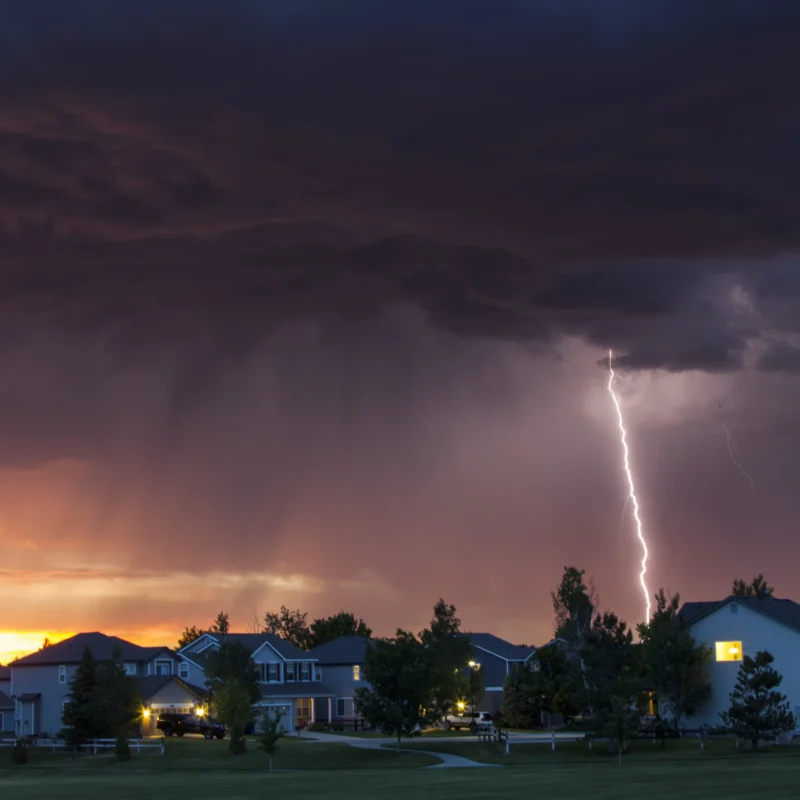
(290,672)
(339,706)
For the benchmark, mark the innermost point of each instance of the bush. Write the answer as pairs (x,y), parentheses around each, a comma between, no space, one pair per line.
(19,753)
(317,726)
(121,749)
(337,726)
(237,744)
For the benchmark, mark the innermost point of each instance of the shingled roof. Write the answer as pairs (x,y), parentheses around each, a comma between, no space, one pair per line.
(148,685)
(344,650)
(786,612)
(6,703)
(254,641)
(70,651)
(5,673)
(499,647)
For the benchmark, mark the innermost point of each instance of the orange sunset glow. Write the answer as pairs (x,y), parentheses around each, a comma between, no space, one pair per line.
(15,644)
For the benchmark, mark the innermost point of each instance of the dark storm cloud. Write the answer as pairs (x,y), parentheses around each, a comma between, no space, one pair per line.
(511,168)
(780,357)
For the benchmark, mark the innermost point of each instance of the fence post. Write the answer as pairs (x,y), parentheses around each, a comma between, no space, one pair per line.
(553,740)
(506,742)
(162,745)
(590,742)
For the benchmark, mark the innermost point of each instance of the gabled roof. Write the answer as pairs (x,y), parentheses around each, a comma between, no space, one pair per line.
(344,650)
(786,612)
(148,685)
(5,673)
(6,703)
(70,651)
(253,642)
(496,646)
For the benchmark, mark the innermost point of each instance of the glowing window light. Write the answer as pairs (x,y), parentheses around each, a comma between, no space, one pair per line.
(728,651)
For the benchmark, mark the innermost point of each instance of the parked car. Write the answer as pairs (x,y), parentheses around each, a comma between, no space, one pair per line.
(179,724)
(467,719)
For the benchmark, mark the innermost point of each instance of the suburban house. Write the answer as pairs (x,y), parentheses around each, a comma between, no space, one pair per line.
(291,678)
(40,681)
(741,626)
(495,658)
(343,662)
(6,703)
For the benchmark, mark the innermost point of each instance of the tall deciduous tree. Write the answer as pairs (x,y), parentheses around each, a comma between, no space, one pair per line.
(220,625)
(289,624)
(758,710)
(450,651)
(233,703)
(676,665)
(329,628)
(189,635)
(758,588)
(79,712)
(232,663)
(400,675)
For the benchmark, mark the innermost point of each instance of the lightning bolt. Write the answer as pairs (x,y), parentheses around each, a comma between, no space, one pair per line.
(733,458)
(631,487)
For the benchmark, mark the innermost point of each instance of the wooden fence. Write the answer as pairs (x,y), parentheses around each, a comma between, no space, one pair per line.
(94,745)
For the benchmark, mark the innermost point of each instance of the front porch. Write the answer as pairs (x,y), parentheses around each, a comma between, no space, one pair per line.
(300,704)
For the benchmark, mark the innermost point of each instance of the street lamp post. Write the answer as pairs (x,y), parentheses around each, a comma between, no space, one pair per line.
(473,665)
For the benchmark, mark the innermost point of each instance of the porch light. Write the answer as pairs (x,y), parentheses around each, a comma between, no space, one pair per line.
(145,713)
(200,711)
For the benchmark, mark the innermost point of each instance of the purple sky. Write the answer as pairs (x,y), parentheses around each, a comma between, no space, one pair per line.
(303,303)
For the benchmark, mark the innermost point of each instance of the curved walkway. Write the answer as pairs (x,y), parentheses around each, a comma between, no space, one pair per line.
(447,759)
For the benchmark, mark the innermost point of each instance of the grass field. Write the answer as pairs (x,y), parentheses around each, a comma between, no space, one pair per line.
(192,767)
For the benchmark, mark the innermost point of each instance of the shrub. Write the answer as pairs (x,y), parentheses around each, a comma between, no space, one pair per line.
(237,744)
(337,726)
(317,726)
(121,749)
(19,753)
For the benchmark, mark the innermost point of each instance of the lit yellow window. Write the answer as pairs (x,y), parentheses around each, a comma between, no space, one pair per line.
(729,651)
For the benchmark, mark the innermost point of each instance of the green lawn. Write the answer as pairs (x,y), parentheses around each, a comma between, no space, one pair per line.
(567,753)
(712,779)
(198,754)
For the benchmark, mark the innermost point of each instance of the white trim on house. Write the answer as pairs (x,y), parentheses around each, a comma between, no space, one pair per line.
(62,673)
(503,658)
(266,643)
(195,641)
(493,689)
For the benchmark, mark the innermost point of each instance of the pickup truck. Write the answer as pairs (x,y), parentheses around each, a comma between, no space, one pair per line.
(178,724)
(467,719)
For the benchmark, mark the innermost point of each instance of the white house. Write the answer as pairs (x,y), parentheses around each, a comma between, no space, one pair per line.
(738,627)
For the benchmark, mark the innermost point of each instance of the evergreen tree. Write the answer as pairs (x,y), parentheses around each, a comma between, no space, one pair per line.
(79,711)
(116,704)
(450,651)
(758,710)
(676,665)
(758,588)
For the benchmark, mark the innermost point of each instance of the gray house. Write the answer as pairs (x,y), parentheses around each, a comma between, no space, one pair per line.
(6,703)
(343,662)
(495,659)
(40,681)
(291,678)
(741,626)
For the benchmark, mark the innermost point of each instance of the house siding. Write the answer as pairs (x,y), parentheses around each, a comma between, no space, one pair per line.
(339,679)
(756,632)
(43,716)
(196,676)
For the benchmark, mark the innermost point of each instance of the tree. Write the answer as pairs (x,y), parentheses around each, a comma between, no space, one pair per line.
(620,723)
(188,636)
(676,665)
(78,716)
(233,703)
(609,664)
(116,701)
(556,682)
(450,651)
(231,662)
(46,643)
(329,628)
(271,732)
(290,625)
(574,606)
(401,680)
(758,710)
(758,588)
(220,625)
(521,702)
